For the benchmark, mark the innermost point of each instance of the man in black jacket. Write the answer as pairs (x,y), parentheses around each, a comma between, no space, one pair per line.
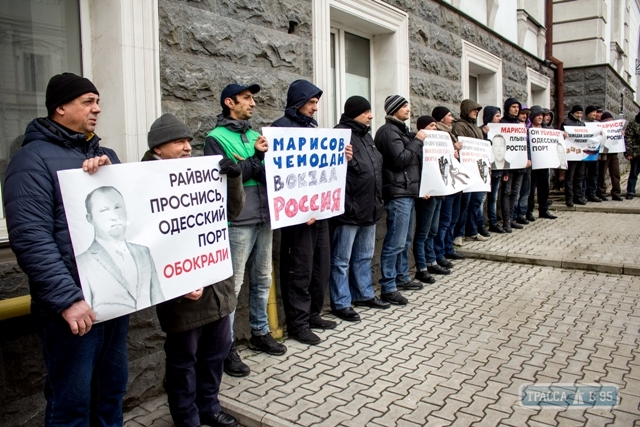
(402,156)
(575,169)
(354,236)
(78,354)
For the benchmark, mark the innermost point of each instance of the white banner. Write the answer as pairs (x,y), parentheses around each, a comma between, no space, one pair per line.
(547,149)
(442,173)
(306,171)
(583,143)
(509,145)
(147,232)
(612,135)
(475,156)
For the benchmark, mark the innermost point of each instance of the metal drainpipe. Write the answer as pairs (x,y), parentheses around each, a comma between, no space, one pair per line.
(15,307)
(272,309)
(559,71)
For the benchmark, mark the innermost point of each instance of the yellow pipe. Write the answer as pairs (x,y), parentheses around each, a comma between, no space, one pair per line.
(272,309)
(15,307)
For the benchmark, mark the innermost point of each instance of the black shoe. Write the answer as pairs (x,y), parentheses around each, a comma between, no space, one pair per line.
(320,323)
(515,225)
(569,204)
(616,198)
(372,303)
(347,313)
(395,298)
(267,344)
(455,255)
(496,228)
(594,199)
(425,277)
(233,364)
(629,197)
(580,202)
(483,232)
(522,220)
(411,285)
(530,217)
(603,198)
(443,262)
(507,228)
(218,420)
(306,337)
(437,269)
(547,215)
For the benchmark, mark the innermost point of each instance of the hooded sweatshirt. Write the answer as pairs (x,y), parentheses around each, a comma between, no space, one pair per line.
(548,111)
(299,93)
(488,113)
(507,118)
(467,126)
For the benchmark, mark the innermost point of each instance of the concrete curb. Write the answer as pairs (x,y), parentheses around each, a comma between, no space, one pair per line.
(249,416)
(595,208)
(603,267)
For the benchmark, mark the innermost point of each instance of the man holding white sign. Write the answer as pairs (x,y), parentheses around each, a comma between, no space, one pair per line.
(544,143)
(613,145)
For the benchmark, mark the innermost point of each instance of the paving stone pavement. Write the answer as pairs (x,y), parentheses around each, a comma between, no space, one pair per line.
(456,355)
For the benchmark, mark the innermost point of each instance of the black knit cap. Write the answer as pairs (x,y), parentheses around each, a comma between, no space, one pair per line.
(439,113)
(355,106)
(64,88)
(165,129)
(393,103)
(424,121)
(606,115)
(576,108)
(590,109)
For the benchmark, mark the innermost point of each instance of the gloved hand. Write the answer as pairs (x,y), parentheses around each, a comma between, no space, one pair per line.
(230,168)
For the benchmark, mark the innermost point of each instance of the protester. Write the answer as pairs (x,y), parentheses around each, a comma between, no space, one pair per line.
(197,324)
(427,219)
(402,156)
(250,236)
(511,186)
(590,184)
(520,209)
(548,118)
(539,177)
(632,153)
(610,162)
(471,203)
(493,115)
(305,249)
(354,234)
(575,169)
(86,362)
(450,205)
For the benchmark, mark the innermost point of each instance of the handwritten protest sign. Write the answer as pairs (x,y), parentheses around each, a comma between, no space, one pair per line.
(612,135)
(306,172)
(509,144)
(583,143)
(547,149)
(475,156)
(442,173)
(147,232)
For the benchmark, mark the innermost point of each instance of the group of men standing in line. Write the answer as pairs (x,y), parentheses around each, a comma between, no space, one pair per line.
(87,362)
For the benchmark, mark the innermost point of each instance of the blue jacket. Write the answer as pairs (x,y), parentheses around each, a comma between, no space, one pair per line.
(299,93)
(35,214)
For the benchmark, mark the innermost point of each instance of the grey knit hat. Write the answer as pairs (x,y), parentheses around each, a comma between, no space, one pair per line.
(393,103)
(165,129)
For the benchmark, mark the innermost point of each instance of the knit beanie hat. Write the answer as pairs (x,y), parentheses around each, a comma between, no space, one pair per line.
(64,88)
(590,109)
(439,113)
(355,106)
(576,108)
(606,115)
(167,128)
(393,103)
(424,121)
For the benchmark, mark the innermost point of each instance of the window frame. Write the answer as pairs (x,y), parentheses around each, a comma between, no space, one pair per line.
(534,78)
(473,56)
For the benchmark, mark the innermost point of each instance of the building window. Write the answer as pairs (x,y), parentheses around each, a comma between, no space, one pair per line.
(361,47)
(538,89)
(473,88)
(481,76)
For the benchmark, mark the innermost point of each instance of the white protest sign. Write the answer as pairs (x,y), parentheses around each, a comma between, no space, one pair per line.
(509,144)
(442,173)
(583,143)
(547,149)
(475,156)
(306,172)
(144,233)
(613,135)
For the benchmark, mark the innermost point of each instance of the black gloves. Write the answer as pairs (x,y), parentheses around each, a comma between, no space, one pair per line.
(259,155)
(230,168)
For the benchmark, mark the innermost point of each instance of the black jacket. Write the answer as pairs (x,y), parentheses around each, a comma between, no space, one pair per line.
(36,220)
(299,93)
(363,199)
(506,117)
(402,158)
(571,121)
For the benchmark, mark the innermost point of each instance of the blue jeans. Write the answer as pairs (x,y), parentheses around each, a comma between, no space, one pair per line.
(86,375)
(449,212)
(427,219)
(461,224)
(633,175)
(251,247)
(475,219)
(394,258)
(496,179)
(351,264)
(522,205)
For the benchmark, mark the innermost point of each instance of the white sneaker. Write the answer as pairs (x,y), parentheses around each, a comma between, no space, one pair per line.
(458,241)
(478,237)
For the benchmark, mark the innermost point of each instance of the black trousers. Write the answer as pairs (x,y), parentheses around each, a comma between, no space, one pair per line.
(194,370)
(573,181)
(540,182)
(612,163)
(305,263)
(511,194)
